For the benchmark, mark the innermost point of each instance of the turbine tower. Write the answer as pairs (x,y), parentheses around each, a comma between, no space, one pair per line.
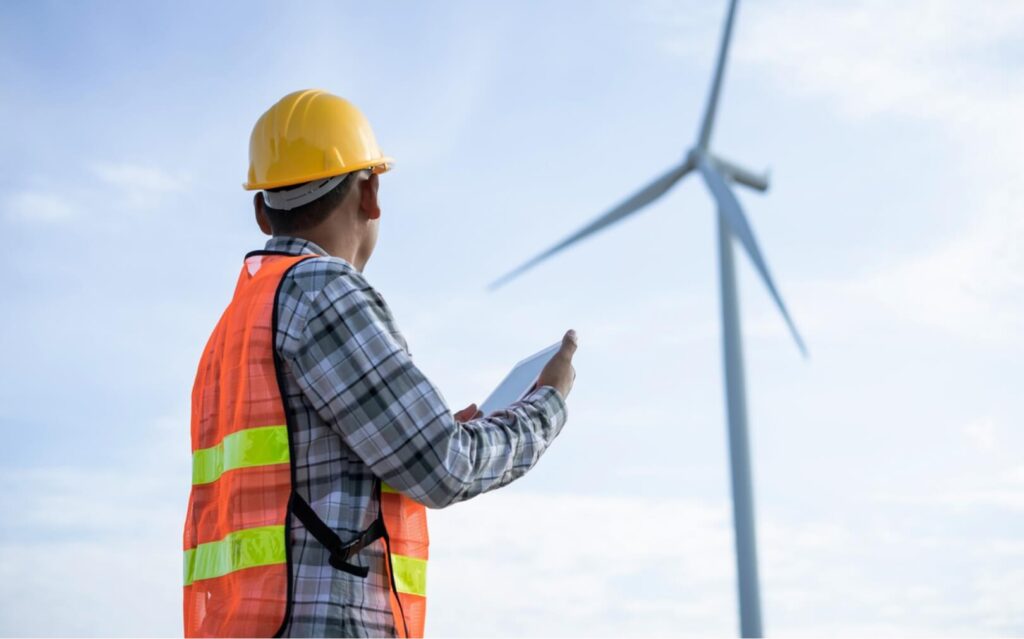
(718,174)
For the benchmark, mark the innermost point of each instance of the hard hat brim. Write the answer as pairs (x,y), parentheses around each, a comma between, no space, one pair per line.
(380,165)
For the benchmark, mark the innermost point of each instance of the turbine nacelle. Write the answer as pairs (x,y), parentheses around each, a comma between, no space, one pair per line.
(738,174)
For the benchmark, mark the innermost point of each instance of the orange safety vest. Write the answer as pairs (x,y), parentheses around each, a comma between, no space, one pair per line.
(237,537)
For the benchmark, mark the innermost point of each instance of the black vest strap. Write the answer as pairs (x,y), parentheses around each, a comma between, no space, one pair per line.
(340,552)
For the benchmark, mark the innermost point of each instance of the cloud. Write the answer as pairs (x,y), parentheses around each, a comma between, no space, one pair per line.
(99,588)
(144,178)
(923,58)
(137,185)
(981,433)
(968,286)
(870,57)
(36,206)
(60,202)
(998,489)
(516,564)
(562,565)
(94,551)
(90,553)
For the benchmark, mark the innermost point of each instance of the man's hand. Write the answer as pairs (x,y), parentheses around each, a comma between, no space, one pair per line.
(468,413)
(559,372)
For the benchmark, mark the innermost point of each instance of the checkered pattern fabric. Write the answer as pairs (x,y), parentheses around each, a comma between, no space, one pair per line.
(362,410)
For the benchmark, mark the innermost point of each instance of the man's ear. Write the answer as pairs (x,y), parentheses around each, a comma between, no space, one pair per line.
(261,215)
(368,203)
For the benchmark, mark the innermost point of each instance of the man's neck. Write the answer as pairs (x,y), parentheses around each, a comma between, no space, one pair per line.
(345,246)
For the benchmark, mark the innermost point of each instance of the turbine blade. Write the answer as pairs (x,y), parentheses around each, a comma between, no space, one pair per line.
(729,207)
(716,82)
(642,198)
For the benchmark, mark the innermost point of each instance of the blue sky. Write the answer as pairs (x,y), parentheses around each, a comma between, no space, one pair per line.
(889,486)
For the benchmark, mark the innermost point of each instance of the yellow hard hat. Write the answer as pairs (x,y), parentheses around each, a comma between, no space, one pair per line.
(309,135)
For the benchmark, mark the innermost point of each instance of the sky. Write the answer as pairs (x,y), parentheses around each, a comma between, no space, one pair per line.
(889,484)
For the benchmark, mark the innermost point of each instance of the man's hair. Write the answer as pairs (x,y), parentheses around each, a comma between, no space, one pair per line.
(305,217)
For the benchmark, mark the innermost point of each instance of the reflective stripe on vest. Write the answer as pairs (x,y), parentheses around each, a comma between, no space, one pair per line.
(238,550)
(410,575)
(261,446)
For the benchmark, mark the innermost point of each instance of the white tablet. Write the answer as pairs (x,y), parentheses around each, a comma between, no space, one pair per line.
(518,383)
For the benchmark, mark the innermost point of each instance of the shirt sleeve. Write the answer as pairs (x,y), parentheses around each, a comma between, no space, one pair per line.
(355,370)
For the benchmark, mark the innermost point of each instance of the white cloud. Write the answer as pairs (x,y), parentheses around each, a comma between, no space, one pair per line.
(135,186)
(870,57)
(121,586)
(981,433)
(511,564)
(39,206)
(929,61)
(923,58)
(999,489)
(119,185)
(91,553)
(132,177)
(95,551)
(968,286)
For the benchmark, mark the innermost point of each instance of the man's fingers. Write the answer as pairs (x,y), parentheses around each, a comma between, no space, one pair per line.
(467,413)
(569,343)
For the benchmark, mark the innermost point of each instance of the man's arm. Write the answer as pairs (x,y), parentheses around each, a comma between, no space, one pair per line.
(360,379)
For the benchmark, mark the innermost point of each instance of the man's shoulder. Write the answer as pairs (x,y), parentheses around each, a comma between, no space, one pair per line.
(315,275)
(321,289)
(327,280)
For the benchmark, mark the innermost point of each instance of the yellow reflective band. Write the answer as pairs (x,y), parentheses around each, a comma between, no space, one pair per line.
(384,488)
(246,548)
(261,446)
(410,575)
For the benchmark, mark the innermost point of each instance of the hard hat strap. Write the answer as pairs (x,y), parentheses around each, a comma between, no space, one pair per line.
(289,199)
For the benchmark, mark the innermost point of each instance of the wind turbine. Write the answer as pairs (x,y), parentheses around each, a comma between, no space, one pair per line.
(732,223)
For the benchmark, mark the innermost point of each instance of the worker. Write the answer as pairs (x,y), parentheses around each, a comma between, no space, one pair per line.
(317,443)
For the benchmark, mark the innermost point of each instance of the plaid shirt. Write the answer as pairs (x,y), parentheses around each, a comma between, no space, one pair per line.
(362,410)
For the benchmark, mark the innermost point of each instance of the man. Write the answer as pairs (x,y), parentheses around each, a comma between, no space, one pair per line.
(316,440)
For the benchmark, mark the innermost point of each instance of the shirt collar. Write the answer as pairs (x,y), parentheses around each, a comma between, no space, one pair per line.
(293,246)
